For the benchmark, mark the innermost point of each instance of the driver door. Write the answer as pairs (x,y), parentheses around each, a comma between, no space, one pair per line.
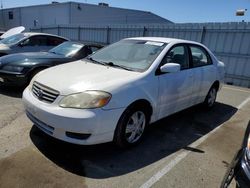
(34,44)
(175,89)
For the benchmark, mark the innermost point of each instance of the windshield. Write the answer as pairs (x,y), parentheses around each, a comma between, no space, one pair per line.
(67,49)
(137,55)
(13,39)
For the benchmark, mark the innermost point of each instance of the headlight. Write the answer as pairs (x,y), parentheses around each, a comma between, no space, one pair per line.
(248,147)
(87,99)
(12,68)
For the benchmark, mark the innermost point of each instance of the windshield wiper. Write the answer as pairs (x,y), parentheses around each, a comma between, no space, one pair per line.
(111,64)
(95,61)
(52,52)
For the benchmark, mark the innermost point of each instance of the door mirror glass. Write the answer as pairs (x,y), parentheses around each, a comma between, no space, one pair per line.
(170,68)
(21,44)
(24,43)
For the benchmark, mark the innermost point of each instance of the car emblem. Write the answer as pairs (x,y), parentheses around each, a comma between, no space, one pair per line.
(40,94)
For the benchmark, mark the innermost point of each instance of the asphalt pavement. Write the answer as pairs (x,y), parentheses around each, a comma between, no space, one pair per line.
(192,148)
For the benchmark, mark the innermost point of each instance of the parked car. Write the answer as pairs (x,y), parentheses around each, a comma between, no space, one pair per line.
(1,33)
(116,92)
(12,31)
(18,69)
(239,169)
(29,42)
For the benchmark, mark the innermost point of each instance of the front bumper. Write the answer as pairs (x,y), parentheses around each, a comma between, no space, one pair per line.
(94,125)
(242,177)
(13,79)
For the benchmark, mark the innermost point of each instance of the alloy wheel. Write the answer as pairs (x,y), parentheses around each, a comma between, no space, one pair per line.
(135,126)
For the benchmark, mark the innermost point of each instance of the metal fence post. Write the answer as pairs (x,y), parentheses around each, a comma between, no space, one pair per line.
(41,29)
(144,31)
(79,33)
(58,30)
(203,34)
(108,35)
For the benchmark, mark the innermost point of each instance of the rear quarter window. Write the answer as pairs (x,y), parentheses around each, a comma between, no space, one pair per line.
(55,41)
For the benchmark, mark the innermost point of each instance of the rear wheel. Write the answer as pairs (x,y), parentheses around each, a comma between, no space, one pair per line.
(211,97)
(131,126)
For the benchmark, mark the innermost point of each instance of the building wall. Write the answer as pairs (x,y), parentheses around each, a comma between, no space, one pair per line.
(74,13)
(44,14)
(82,13)
(5,22)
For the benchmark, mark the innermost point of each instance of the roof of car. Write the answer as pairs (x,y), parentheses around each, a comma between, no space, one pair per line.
(33,34)
(163,39)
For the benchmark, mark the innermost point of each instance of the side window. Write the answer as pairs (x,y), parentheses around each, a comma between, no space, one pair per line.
(88,50)
(199,56)
(36,41)
(178,54)
(94,48)
(55,41)
(85,51)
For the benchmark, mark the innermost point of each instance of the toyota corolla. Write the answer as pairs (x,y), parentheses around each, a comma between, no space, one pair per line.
(114,94)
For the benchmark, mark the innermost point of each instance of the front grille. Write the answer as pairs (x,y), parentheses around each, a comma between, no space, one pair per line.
(44,93)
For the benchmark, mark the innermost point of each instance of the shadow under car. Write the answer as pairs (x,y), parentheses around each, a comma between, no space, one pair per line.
(161,139)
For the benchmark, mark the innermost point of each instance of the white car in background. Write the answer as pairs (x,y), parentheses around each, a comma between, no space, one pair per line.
(29,42)
(115,93)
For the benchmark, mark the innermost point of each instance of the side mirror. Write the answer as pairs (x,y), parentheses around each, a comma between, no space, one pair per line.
(170,68)
(21,44)
(24,43)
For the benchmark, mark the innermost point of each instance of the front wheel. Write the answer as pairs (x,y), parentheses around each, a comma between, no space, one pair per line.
(211,97)
(131,126)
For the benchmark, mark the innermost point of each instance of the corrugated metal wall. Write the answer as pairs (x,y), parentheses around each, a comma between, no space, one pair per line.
(229,41)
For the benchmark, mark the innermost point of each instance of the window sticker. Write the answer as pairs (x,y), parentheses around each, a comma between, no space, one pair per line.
(154,43)
(77,45)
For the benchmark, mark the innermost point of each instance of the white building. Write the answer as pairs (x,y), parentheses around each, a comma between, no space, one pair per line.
(74,13)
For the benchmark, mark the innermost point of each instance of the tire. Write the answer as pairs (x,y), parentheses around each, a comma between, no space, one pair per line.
(231,171)
(210,98)
(128,132)
(228,178)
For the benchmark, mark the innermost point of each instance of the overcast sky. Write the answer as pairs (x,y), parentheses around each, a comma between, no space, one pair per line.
(180,11)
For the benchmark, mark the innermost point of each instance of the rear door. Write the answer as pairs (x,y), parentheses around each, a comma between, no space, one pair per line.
(176,89)
(204,72)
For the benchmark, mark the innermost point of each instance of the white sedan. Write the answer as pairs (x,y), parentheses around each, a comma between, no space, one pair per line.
(115,93)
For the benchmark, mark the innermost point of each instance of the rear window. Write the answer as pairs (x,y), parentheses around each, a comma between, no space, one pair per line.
(55,41)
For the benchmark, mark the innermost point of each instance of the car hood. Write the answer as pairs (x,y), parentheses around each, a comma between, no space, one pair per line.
(4,47)
(25,58)
(12,31)
(81,75)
